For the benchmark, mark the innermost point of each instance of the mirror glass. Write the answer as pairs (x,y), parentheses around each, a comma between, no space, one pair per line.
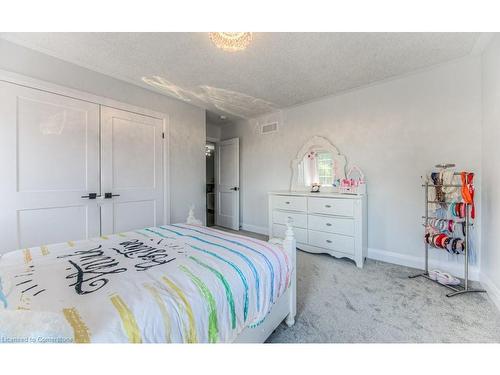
(318,166)
(318,162)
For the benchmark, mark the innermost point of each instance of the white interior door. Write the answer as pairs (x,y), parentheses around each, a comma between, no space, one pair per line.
(49,159)
(131,170)
(227,183)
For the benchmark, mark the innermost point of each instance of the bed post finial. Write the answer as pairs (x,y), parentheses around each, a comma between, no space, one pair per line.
(191,220)
(290,246)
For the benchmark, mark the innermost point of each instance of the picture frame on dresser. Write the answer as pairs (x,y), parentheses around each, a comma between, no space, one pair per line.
(332,221)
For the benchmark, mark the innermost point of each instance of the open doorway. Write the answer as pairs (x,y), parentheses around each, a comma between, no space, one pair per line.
(210,182)
(227,184)
(222,176)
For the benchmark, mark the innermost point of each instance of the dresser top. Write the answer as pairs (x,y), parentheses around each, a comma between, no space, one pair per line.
(319,195)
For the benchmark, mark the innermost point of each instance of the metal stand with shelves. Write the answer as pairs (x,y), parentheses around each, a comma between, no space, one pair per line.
(456,289)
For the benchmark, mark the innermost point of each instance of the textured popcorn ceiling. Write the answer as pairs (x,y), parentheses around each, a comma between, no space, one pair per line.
(276,71)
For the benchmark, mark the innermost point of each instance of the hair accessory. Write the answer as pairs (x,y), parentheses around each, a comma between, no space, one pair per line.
(447,279)
(438,241)
(462,210)
(444,225)
(448,246)
(451,226)
(444,242)
(436,179)
(468,191)
(447,177)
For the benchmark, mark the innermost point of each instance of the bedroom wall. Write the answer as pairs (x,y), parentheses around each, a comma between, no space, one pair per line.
(490,265)
(395,131)
(187,123)
(213,131)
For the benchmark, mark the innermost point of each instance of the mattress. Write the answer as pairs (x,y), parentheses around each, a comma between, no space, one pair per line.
(175,283)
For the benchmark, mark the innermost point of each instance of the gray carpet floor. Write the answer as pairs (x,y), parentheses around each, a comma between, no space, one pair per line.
(339,303)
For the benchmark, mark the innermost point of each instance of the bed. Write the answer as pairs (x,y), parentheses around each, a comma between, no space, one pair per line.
(180,283)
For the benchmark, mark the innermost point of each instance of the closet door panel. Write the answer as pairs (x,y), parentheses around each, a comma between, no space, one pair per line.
(56,224)
(132,153)
(134,215)
(132,170)
(53,139)
(49,157)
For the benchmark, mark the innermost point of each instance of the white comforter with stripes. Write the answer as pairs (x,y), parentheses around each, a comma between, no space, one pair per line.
(175,283)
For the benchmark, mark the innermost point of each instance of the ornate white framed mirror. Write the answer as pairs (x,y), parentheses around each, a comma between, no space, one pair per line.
(318,162)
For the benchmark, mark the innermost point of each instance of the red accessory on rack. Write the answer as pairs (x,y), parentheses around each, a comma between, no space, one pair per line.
(438,241)
(462,210)
(451,226)
(443,241)
(468,191)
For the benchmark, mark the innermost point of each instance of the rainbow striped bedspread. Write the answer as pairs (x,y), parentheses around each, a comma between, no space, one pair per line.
(174,283)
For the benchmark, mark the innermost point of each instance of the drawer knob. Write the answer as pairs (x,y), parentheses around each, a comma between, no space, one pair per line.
(329,241)
(328,224)
(287,202)
(328,206)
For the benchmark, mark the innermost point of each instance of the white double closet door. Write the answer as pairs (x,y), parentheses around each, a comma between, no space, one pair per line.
(56,152)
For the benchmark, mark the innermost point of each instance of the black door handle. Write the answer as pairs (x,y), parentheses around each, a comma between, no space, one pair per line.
(91,196)
(234,188)
(110,195)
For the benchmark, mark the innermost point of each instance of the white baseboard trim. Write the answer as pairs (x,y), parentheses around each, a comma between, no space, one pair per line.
(255,229)
(418,262)
(404,260)
(492,289)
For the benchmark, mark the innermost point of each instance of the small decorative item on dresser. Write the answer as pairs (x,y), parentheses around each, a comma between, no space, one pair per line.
(353,184)
(315,187)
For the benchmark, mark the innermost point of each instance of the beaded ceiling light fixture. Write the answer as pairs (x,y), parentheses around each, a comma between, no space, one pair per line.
(231,42)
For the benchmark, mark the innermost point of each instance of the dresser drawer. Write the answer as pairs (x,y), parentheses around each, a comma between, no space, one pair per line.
(282,217)
(331,206)
(331,224)
(284,202)
(331,241)
(299,233)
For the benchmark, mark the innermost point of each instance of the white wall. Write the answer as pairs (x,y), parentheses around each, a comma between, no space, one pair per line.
(213,131)
(394,131)
(490,265)
(187,123)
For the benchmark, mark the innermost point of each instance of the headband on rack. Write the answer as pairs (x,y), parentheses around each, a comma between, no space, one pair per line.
(468,191)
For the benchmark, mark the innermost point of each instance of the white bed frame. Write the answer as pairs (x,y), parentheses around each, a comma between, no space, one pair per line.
(286,306)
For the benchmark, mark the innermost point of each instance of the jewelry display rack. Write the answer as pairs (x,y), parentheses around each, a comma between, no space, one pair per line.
(456,289)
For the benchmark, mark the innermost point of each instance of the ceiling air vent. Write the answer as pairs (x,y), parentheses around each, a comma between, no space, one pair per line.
(269,128)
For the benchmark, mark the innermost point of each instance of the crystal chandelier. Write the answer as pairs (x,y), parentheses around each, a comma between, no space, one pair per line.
(231,41)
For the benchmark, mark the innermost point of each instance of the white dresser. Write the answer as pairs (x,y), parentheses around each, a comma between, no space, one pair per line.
(330,223)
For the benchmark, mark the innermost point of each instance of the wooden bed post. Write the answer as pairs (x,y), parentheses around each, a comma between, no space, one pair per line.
(289,245)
